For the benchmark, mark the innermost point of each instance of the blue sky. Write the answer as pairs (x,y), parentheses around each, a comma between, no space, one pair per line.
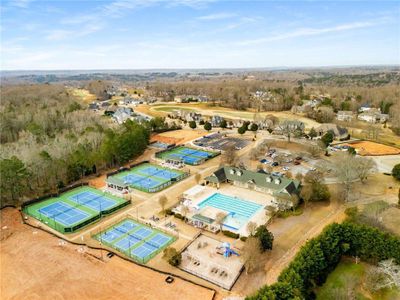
(141,34)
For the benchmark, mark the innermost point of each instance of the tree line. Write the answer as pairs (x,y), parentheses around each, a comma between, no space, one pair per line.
(51,141)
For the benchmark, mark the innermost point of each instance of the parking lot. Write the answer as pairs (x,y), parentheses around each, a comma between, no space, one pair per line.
(220,141)
(282,161)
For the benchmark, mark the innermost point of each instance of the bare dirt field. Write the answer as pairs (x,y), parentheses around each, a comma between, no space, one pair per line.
(178,137)
(35,266)
(371,148)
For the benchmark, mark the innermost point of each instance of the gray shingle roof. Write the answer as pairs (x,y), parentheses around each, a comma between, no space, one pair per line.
(264,180)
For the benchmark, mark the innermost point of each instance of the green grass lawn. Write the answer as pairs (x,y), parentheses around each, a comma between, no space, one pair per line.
(346,282)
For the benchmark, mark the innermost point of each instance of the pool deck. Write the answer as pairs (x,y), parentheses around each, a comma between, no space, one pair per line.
(258,217)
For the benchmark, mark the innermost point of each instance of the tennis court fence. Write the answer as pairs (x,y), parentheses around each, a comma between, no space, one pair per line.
(51,221)
(128,253)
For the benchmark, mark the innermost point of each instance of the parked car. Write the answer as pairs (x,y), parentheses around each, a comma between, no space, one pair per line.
(313,169)
(285,168)
(277,174)
(298,158)
(264,161)
(275,163)
(296,162)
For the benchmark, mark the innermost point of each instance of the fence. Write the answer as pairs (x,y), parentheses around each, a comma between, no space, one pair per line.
(69,229)
(127,253)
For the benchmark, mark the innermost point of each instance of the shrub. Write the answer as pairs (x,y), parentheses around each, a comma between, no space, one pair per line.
(230,234)
(173,257)
(179,216)
(243,238)
(396,171)
(169,212)
(265,236)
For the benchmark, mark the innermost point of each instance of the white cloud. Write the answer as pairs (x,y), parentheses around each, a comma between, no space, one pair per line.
(303,32)
(218,16)
(21,3)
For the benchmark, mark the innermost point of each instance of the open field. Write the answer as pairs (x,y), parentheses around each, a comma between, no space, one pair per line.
(207,110)
(84,95)
(347,282)
(365,148)
(67,271)
(391,219)
(178,137)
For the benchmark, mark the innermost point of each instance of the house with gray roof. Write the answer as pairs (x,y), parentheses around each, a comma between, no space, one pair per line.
(339,133)
(278,186)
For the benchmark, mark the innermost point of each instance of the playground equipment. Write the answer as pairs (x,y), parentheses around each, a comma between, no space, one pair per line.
(228,250)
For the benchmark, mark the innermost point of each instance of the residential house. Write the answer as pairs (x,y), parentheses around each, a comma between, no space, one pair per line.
(365,107)
(373,115)
(93,106)
(340,133)
(110,110)
(216,120)
(122,114)
(345,115)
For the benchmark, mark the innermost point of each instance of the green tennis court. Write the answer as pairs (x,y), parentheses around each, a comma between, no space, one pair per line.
(135,240)
(74,209)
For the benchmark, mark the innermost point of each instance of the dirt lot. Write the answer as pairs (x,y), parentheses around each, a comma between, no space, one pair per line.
(178,136)
(35,266)
(371,148)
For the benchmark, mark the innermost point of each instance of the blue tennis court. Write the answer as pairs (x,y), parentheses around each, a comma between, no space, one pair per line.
(127,226)
(63,213)
(144,250)
(159,240)
(139,180)
(111,235)
(136,240)
(127,242)
(198,153)
(158,172)
(94,201)
(143,232)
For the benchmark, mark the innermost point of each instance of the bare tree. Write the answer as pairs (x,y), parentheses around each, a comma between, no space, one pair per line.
(229,156)
(251,227)
(315,150)
(197,178)
(385,275)
(162,200)
(291,128)
(364,167)
(344,168)
(251,254)
(219,219)
(184,211)
(392,272)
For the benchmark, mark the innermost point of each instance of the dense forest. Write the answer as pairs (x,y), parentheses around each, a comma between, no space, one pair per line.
(48,141)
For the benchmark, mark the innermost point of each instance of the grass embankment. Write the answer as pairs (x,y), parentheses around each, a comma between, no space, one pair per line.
(347,281)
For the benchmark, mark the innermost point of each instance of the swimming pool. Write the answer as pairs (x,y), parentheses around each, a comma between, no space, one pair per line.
(239,210)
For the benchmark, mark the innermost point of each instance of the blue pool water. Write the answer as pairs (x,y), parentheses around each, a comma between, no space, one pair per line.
(239,210)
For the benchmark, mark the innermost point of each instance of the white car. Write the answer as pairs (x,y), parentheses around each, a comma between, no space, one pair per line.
(285,168)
